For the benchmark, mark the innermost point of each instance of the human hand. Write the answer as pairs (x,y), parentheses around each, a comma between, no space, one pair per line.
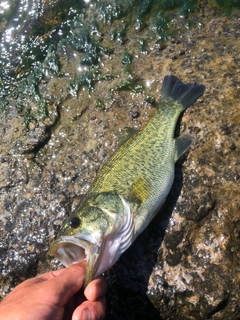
(56,295)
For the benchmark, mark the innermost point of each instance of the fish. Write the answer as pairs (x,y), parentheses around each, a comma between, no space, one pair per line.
(130,187)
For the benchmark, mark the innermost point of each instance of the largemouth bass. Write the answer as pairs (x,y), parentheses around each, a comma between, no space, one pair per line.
(129,188)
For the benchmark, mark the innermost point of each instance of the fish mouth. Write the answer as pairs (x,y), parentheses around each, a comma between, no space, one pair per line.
(70,250)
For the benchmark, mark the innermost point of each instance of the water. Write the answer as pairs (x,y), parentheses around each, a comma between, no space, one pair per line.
(33,30)
(29,29)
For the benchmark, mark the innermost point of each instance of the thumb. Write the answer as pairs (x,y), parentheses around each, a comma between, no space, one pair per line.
(66,283)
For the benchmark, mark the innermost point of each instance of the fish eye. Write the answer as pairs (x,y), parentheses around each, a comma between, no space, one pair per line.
(74,222)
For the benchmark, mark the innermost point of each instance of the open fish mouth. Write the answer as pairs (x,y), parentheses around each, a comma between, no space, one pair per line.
(68,251)
(72,249)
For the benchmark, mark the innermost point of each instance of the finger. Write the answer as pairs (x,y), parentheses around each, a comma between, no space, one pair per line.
(89,310)
(33,281)
(67,283)
(46,276)
(55,273)
(96,289)
(72,304)
(43,277)
(52,274)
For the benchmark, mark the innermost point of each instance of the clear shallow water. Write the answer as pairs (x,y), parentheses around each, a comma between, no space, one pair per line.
(16,17)
(27,30)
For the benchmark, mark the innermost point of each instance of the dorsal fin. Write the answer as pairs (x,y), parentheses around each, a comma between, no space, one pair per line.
(125,134)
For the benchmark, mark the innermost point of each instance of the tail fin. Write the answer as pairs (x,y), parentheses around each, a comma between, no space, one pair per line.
(186,94)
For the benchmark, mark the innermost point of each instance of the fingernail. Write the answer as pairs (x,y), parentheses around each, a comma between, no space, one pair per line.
(86,315)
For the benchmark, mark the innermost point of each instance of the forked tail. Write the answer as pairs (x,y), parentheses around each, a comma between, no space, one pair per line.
(175,89)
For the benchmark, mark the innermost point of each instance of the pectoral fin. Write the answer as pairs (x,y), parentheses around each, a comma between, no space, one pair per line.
(182,143)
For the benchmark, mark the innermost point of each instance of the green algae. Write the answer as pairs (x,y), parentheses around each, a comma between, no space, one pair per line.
(54,14)
(82,41)
(142,45)
(160,25)
(129,85)
(150,99)
(28,118)
(100,104)
(227,6)
(127,58)
(184,7)
(110,11)
(85,80)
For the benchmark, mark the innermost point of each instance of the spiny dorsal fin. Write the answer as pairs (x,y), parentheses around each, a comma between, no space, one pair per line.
(125,134)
